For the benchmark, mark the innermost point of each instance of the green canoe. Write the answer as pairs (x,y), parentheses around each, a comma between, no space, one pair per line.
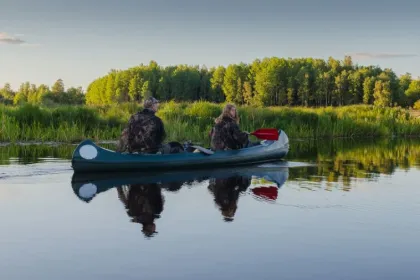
(89,157)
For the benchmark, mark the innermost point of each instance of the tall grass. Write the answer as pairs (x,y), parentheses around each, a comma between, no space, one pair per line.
(193,121)
(62,124)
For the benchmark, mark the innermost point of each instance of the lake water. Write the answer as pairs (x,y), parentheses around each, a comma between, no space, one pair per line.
(330,210)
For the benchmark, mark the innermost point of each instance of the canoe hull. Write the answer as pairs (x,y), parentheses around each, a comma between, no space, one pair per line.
(88,157)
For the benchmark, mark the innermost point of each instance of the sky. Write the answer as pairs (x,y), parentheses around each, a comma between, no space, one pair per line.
(78,41)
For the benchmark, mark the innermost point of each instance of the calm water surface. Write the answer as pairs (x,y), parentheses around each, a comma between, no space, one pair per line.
(331,210)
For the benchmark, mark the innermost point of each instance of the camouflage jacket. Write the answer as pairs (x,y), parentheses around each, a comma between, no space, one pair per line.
(226,135)
(145,133)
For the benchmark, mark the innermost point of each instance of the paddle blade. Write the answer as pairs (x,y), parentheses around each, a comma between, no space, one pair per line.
(269,193)
(266,133)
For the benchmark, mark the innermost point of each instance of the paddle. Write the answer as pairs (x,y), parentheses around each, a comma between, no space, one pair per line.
(203,150)
(269,193)
(266,133)
(262,133)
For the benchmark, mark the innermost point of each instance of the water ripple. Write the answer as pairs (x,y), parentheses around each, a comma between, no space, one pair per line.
(48,166)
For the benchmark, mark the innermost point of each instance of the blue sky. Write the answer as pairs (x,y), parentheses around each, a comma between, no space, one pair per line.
(43,40)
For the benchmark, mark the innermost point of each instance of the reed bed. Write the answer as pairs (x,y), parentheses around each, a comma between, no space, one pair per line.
(193,121)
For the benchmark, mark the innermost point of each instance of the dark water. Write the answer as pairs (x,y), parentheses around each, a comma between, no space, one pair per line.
(331,210)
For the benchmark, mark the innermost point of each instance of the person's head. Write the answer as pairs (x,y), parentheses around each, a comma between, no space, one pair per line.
(149,230)
(151,103)
(229,111)
(228,211)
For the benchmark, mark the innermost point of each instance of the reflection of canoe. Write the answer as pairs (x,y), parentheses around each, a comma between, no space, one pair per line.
(88,157)
(87,185)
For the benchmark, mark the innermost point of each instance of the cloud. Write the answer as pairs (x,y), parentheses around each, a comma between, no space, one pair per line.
(364,55)
(8,39)
(30,45)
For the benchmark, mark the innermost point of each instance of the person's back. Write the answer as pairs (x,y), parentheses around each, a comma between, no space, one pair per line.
(145,131)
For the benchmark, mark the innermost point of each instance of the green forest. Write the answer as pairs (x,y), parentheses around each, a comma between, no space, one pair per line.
(42,94)
(271,81)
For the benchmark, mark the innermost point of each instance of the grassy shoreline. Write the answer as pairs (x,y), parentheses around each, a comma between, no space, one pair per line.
(192,121)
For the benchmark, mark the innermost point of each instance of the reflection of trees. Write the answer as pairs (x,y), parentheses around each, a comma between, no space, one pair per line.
(340,160)
(226,193)
(337,159)
(364,156)
(144,203)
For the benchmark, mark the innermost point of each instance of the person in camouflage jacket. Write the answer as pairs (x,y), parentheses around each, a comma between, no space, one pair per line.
(226,134)
(145,131)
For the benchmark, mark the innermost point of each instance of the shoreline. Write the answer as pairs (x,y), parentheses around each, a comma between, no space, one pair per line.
(114,142)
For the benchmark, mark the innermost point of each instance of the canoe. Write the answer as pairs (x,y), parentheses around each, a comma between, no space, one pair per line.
(88,185)
(89,157)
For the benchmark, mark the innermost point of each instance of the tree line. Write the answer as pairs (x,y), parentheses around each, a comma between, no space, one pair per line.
(42,94)
(268,82)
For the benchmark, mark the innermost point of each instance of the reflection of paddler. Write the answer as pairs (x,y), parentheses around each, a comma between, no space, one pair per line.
(226,193)
(144,203)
